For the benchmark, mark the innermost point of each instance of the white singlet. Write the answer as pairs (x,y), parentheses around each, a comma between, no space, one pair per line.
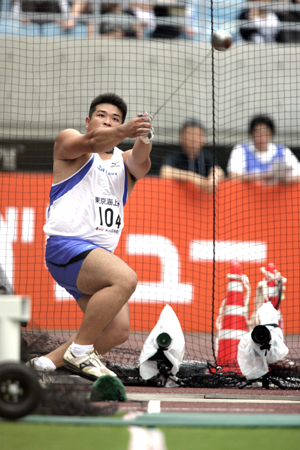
(89,204)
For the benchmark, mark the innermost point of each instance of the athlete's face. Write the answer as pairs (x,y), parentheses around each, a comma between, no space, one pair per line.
(105,115)
(262,136)
(192,140)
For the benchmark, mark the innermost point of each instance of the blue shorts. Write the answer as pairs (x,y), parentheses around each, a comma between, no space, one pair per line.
(64,257)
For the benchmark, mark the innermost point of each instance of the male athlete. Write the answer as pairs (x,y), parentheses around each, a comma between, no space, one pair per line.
(92,180)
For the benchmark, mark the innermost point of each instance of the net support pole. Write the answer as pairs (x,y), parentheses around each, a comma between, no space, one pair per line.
(14,309)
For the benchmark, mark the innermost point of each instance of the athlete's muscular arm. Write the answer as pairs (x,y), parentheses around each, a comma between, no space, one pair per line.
(137,159)
(71,144)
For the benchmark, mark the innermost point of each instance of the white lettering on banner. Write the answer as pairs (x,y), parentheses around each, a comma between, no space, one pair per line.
(28,217)
(250,251)
(8,235)
(169,289)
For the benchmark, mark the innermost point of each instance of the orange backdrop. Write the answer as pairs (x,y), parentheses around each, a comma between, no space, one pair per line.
(181,218)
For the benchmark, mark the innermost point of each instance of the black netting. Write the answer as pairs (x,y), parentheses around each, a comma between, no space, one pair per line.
(199,374)
(210,234)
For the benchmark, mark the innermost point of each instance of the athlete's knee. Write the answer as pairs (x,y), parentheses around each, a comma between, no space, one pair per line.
(129,282)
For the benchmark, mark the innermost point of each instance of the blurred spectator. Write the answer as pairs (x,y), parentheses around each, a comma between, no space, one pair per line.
(77,8)
(170,18)
(73,24)
(14,25)
(262,161)
(193,163)
(118,23)
(66,26)
(293,15)
(263,24)
(144,11)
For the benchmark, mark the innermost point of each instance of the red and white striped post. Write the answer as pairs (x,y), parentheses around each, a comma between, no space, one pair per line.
(232,322)
(272,276)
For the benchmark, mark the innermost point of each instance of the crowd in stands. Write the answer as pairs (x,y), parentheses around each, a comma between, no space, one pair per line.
(258,21)
(258,159)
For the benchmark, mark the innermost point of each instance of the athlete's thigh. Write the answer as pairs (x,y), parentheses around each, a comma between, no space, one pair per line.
(101,269)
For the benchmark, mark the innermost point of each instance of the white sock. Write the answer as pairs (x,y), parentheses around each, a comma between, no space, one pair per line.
(45,363)
(80,350)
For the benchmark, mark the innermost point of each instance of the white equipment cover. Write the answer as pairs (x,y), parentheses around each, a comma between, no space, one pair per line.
(167,323)
(252,360)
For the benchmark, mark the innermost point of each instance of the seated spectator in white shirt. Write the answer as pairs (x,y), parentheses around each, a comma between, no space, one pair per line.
(262,161)
(144,11)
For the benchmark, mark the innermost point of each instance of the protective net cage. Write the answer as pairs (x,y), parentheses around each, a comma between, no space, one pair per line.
(213,233)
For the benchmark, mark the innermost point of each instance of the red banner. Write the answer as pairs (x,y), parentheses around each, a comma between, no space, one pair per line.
(180,242)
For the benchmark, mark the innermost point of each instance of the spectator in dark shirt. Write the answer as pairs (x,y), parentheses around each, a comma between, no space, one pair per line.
(119,23)
(193,163)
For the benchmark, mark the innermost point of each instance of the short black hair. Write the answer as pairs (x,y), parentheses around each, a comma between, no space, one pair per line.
(265,120)
(192,123)
(111,99)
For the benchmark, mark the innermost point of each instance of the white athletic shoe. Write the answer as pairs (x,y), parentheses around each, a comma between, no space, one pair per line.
(42,374)
(88,366)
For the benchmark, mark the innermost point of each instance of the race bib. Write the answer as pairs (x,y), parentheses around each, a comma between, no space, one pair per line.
(108,217)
